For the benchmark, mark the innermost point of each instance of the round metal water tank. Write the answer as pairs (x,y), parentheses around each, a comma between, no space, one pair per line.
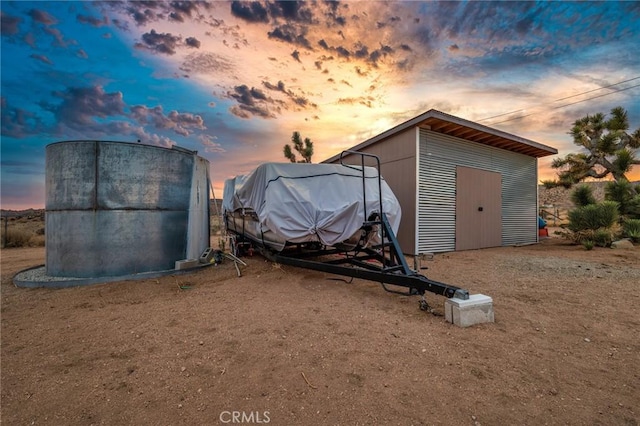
(115,208)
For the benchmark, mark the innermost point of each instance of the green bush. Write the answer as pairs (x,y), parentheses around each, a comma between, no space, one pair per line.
(595,224)
(588,244)
(625,195)
(631,229)
(593,216)
(583,196)
(634,236)
(631,225)
(603,237)
(583,218)
(633,209)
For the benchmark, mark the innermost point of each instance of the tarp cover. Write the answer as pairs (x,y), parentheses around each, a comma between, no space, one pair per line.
(303,202)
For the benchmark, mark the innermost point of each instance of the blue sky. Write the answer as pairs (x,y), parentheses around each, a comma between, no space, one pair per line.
(233,80)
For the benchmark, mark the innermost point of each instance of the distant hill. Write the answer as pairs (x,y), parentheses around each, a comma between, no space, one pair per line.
(29,213)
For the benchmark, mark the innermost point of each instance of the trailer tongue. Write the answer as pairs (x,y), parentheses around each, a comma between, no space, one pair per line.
(336,218)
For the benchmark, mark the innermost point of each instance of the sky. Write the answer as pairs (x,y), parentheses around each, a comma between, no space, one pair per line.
(234,80)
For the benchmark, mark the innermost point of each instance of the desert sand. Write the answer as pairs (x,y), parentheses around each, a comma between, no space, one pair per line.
(288,346)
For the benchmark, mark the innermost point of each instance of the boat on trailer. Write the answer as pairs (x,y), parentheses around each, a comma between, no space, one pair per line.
(337,218)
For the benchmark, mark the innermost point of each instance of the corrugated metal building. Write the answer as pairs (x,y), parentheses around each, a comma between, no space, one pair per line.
(461,185)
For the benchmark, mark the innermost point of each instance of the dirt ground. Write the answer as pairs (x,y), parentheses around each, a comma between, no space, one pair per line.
(288,346)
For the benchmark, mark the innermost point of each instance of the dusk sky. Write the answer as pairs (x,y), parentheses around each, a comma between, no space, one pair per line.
(233,80)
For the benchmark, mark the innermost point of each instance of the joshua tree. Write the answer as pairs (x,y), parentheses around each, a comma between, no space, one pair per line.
(305,150)
(609,149)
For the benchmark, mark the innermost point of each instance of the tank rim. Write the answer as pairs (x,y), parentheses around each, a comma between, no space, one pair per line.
(174,148)
(66,282)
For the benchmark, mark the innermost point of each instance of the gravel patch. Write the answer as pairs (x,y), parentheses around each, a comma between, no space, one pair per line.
(555,267)
(39,274)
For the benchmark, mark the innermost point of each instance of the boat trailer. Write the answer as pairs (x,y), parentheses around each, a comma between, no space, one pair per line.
(376,257)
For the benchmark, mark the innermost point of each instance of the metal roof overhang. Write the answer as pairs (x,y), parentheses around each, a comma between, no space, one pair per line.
(464,129)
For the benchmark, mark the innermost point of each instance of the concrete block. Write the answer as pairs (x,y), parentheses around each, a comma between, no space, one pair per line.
(477,309)
(207,255)
(187,263)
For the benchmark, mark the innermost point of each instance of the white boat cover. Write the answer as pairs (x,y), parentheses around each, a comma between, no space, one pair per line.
(302,202)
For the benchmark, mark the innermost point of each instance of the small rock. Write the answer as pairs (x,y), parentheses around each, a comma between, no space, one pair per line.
(586,339)
(179,405)
(201,343)
(424,350)
(183,369)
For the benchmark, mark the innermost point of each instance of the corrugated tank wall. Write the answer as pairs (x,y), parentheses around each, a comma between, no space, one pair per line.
(439,155)
(115,208)
(197,238)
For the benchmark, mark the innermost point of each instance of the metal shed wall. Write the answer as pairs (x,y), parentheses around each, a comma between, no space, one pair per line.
(399,168)
(438,157)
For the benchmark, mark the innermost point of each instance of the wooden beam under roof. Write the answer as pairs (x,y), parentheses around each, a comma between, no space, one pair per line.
(441,122)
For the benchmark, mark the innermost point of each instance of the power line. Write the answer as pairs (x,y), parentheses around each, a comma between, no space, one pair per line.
(566,105)
(599,88)
(561,99)
(599,96)
(500,115)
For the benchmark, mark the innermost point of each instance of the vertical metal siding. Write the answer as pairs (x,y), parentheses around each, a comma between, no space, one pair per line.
(416,194)
(439,155)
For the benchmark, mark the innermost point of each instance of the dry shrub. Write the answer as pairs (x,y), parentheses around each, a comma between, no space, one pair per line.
(17,238)
(601,237)
(37,241)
